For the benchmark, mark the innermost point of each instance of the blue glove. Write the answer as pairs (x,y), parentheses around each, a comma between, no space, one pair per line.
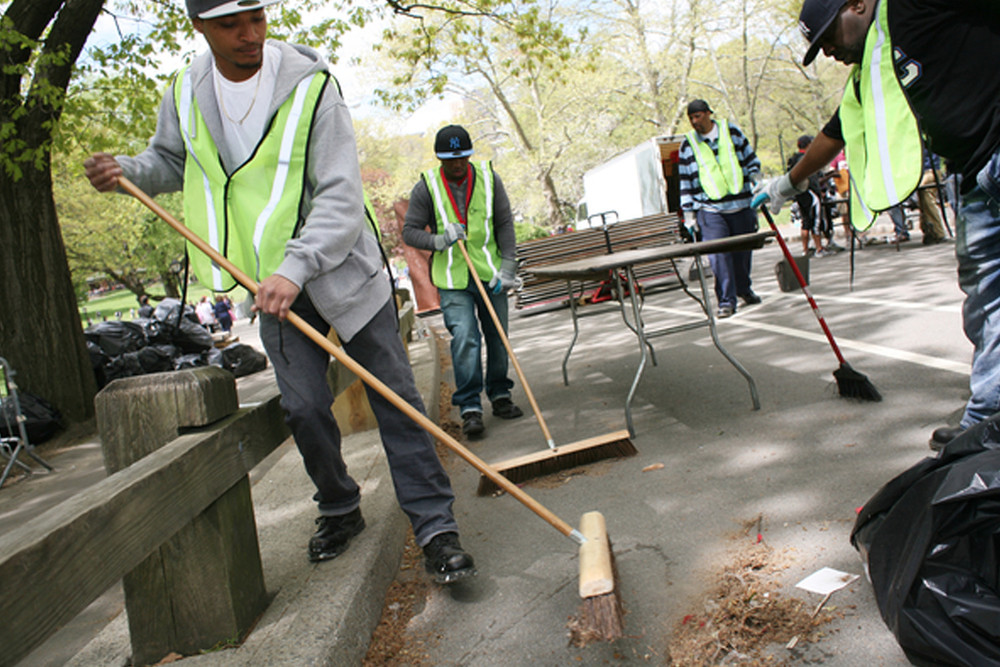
(452,233)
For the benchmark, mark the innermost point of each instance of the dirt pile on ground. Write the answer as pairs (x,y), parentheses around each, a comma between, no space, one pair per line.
(392,645)
(745,619)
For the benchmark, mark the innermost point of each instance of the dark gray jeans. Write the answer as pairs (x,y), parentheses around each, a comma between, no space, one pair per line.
(422,486)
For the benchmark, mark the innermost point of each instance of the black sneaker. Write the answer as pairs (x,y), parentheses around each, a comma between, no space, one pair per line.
(942,436)
(750,299)
(446,560)
(334,534)
(504,408)
(472,424)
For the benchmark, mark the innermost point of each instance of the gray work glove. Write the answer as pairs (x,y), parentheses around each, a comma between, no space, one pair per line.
(776,191)
(452,233)
(507,278)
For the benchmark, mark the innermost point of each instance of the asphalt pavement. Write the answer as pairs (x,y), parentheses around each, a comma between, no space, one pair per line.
(707,464)
(804,462)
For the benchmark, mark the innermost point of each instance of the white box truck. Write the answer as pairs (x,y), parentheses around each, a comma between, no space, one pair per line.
(639,182)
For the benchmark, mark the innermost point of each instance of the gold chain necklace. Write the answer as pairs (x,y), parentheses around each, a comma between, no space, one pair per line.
(222,103)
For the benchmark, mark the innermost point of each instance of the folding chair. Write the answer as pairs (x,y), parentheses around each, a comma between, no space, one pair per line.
(16,440)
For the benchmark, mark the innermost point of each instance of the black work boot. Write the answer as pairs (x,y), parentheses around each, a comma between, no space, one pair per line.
(472,424)
(334,534)
(942,436)
(504,408)
(446,560)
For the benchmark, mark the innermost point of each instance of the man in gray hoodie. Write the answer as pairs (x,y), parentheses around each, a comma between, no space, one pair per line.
(256,134)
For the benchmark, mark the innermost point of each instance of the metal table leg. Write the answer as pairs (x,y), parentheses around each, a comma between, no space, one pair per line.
(576,331)
(706,306)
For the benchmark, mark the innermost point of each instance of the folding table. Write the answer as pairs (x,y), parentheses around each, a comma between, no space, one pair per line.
(620,266)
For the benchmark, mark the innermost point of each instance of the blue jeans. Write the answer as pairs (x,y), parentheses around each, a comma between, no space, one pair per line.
(978,250)
(422,486)
(464,313)
(731,269)
(898,217)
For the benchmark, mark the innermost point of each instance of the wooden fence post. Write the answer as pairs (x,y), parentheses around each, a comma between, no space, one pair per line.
(204,586)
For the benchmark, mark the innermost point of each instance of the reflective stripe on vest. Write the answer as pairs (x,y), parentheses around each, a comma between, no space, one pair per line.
(448,269)
(248,215)
(717,180)
(881,134)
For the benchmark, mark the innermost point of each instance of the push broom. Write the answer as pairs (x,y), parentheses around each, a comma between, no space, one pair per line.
(850,383)
(553,459)
(601,609)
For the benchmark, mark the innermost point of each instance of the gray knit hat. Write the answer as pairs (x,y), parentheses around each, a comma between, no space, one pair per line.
(210,9)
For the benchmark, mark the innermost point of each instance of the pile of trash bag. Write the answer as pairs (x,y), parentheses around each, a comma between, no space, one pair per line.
(163,342)
(41,418)
(930,539)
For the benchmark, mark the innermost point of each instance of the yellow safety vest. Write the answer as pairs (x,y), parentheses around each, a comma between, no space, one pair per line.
(722,175)
(881,135)
(448,268)
(247,216)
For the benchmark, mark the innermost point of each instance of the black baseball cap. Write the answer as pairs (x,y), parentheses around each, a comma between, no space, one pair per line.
(452,141)
(698,105)
(805,140)
(815,17)
(210,9)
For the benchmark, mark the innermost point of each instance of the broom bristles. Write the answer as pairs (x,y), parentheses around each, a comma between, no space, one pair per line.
(601,617)
(548,462)
(852,384)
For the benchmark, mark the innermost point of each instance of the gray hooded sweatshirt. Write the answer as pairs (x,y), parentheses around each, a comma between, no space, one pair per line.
(334,258)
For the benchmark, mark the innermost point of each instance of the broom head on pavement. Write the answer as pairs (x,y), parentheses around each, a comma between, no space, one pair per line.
(601,616)
(555,459)
(852,384)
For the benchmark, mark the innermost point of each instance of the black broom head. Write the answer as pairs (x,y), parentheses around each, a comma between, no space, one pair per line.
(853,384)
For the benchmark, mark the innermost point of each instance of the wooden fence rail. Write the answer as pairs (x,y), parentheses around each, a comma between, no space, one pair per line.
(55,565)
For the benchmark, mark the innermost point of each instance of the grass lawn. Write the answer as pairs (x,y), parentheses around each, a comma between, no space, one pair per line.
(125,302)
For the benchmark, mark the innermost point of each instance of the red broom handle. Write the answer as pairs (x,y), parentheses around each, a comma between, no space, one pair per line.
(342,357)
(802,284)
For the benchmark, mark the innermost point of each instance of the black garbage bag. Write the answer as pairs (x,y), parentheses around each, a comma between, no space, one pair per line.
(213,357)
(190,360)
(97,361)
(157,332)
(41,418)
(123,366)
(166,311)
(930,539)
(191,337)
(243,359)
(157,358)
(116,337)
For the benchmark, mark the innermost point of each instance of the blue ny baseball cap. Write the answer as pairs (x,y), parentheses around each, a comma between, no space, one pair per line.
(452,141)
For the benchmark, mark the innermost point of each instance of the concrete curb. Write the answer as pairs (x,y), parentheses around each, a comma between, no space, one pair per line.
(325,613)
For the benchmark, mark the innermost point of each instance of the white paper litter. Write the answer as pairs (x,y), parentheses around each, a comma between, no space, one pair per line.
(826,580)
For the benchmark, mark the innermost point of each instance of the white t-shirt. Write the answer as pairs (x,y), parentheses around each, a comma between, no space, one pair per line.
(244,105)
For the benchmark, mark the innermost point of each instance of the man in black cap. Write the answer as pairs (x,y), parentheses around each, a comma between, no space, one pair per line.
(717,166)
(257,136)
(920,67)
(462,200)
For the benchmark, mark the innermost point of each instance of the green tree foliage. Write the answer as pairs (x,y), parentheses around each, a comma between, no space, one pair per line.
(512,66)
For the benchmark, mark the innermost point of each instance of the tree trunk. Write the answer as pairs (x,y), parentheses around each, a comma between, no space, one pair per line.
(40,331)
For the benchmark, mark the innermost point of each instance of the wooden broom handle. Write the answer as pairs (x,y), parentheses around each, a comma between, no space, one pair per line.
(343,358)
(506,343)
